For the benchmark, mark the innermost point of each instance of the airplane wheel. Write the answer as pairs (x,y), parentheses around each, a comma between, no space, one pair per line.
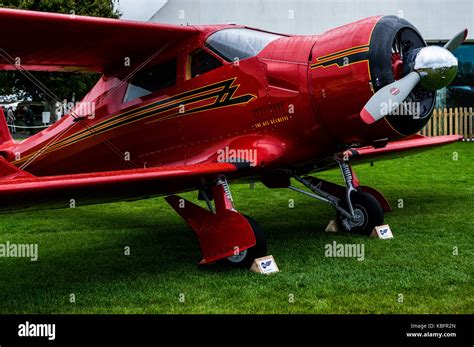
(245,259)
(367,209)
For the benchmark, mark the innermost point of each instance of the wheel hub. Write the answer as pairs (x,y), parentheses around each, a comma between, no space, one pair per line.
(359,218)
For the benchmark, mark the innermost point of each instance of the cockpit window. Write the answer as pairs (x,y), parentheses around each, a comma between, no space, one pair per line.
(202,62)
(152,79)
(239,43)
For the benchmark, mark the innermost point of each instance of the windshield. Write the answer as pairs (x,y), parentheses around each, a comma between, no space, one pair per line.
(239,43)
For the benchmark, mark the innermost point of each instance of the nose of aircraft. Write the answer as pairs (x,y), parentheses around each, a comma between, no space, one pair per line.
(432,68)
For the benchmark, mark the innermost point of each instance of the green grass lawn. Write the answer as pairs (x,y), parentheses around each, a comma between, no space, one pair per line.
(81,252)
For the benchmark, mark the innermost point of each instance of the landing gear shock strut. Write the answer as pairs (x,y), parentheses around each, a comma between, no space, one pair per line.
(348,177)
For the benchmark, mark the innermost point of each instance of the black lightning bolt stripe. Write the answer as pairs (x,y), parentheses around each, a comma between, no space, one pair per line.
(222,93)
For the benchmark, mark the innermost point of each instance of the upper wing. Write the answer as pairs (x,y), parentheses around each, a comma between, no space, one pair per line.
(56,42)
(410,145)
(20,191)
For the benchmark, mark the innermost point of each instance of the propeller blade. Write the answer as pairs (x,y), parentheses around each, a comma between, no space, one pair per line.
(389,98)
(456,41)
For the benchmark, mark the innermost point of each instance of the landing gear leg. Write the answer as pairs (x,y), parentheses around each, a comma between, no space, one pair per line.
(365,211)
(357,210)
(224,234)
(246,257)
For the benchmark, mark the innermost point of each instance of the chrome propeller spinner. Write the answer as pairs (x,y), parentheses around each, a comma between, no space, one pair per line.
(436,66)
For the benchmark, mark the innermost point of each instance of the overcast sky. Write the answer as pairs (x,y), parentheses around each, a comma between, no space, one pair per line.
(141,10)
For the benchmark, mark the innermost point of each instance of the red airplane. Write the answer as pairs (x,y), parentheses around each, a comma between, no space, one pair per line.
(183,108)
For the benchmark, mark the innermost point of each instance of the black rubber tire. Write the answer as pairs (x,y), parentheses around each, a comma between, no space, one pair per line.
(371,209)
(257,251)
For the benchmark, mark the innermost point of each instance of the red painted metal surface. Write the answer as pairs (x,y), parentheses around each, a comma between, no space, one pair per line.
(5,136)
(220,235)
(341,89)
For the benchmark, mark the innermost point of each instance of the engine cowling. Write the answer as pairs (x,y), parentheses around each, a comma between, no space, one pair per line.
(351,63)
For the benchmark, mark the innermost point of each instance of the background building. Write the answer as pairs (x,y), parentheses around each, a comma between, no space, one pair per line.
(437,20)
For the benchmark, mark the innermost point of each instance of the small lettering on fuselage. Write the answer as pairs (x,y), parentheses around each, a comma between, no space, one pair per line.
(273,121)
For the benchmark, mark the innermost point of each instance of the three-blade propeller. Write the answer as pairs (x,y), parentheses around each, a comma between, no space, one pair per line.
(434,67)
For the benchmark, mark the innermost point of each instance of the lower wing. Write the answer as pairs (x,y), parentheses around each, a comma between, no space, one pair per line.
(21,191)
